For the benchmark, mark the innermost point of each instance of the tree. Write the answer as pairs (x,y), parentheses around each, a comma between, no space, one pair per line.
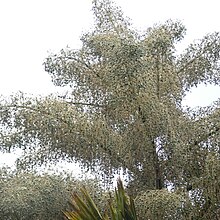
(30,195)
(123,110)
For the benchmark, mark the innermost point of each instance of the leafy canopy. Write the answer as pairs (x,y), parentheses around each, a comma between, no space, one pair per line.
(30,195)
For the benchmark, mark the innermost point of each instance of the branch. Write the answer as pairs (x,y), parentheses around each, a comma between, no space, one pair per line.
(35,110)
(119,159)
(206,136)
(196,57)
(86,104)
(105,149)
(197,142)
(82,62)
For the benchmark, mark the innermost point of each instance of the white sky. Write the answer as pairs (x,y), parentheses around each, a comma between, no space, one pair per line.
(31,28)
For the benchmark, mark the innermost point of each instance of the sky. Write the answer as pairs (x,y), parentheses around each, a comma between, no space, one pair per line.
(31,29)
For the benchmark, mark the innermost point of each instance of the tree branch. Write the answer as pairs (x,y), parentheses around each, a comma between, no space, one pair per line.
(196,57)
(197,142)
(82,62)
(85,104)
(35,110)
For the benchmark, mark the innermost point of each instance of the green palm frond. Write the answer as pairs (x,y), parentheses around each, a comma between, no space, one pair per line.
(83,209)
(121,207)
(125,209)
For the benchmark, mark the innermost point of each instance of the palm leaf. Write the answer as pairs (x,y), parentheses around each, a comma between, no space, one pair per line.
(84,208)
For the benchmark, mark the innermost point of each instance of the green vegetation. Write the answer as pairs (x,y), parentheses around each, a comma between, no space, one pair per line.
(25,196)
(123,112)
(121,208)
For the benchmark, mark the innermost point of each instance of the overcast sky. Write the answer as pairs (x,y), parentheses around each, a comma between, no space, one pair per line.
(31,28)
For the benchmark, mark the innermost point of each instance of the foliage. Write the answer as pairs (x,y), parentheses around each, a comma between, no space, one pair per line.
(121,208)
(27,196)
(159,205)
(83,210)
(123,111)
(206,194)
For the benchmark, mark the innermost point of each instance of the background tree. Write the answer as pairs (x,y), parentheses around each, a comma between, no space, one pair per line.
(43,196)
(123,110)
